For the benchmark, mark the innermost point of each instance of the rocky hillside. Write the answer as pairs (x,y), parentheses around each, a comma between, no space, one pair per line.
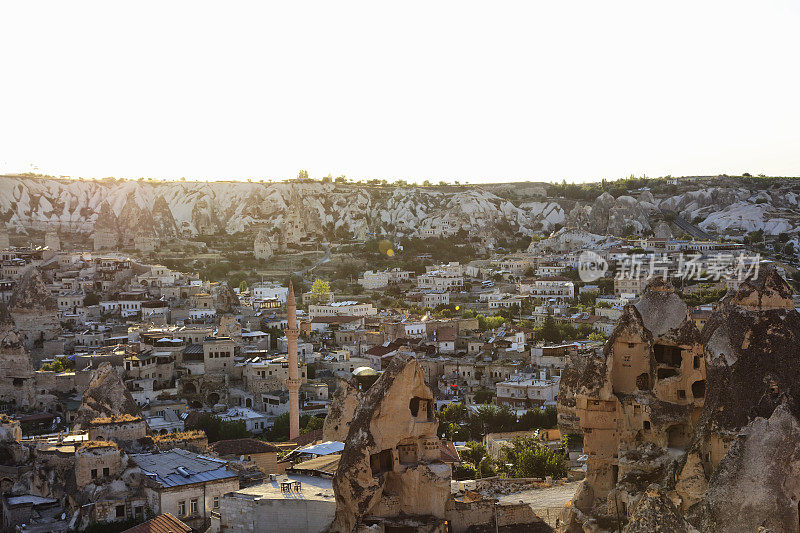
(180,208)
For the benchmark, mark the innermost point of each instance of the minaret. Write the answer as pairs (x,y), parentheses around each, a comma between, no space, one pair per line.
(293,383)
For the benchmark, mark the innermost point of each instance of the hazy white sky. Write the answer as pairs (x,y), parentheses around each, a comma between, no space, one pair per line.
(459,90)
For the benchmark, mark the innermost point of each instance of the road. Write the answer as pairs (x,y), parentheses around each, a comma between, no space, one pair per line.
(324,259)
(691,229)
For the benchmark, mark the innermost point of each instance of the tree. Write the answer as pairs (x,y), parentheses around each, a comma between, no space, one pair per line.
(588,298)
(483,396)
(474,453)
(465,471)
(218,429)
(91,298)
(314,422)
(549,331)
(493,419)
(320,288)
(487,468)
(539,418)
(61,364)
(297,282)
(527,457)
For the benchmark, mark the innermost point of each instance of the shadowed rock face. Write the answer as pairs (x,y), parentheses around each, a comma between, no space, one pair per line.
(757,484)
(741,466)
(655,513)
(105,396)
(391,464)
(16,369)
(31,294)
(745,458)
(341,410)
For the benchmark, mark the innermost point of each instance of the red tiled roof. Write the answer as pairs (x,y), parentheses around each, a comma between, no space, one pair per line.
(446,334)
(380,350)
(164,523)
(448,452)
(242,447)
(309,438)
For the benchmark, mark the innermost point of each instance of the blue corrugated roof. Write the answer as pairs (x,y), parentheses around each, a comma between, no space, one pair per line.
(180,467)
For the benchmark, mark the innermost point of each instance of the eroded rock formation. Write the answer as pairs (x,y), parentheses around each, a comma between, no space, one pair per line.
(391,464)
(34,310)
(106,396)
(687,431)
(341,410)
(17,384)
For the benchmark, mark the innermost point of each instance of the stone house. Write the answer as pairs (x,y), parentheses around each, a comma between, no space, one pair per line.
(218,354)
(96,459)
(122,428)
(185,484)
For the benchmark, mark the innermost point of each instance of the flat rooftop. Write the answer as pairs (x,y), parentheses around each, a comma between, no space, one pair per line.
(313,488)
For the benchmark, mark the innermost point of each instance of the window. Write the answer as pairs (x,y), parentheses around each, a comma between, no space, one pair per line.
(215,502)
(94,473)
(106,471)
(181,508)
(194,506)
(138,511)
(119,511)
(682,394)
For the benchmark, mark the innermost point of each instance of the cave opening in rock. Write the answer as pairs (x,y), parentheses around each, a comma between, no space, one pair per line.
(667,355)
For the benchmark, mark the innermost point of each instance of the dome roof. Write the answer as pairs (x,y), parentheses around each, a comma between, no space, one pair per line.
(365,371)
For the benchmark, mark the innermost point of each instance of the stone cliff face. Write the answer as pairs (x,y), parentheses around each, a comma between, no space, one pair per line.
(34,310)
(716,445)
(105,396)
(169,209)
(341,411)
(17,382)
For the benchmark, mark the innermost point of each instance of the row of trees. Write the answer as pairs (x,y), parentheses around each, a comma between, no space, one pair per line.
(457,423)
(217,429)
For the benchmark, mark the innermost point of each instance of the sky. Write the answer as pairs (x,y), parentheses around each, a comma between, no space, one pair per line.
(468,91)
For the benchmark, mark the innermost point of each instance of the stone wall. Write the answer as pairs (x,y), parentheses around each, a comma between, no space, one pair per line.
(96,460)
(242,514)
(119,429)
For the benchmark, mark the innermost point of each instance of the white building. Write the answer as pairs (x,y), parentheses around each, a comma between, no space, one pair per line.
(347,308)
(374,280)
(254,421)
(556,288)
(434,298)
(498,300)
(524,391)
(268,291)
(445,278)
